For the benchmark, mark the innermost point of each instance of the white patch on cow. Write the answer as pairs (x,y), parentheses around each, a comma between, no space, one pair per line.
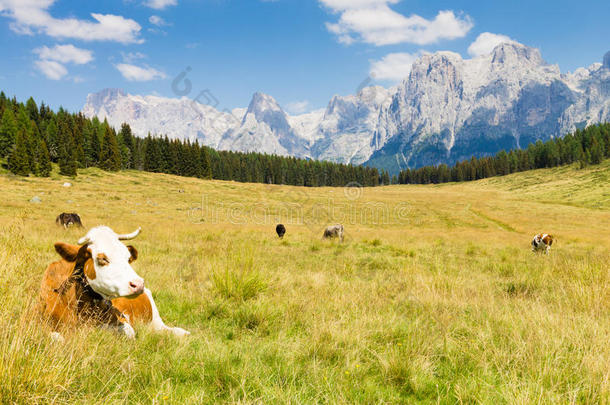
(112,280)
(57,337)
(157,323)
(127,330)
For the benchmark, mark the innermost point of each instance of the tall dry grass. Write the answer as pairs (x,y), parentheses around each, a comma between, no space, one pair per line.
(440,301)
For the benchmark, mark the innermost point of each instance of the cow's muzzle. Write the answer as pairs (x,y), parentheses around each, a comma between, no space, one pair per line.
(136,287)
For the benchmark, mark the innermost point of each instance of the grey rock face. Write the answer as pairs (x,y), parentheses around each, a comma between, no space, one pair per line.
(447,109)
(450,109)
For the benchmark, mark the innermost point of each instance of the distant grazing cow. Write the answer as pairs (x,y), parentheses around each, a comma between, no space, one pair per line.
(95,283)
(542,242)
(66,220)
(334,231)
(281,230)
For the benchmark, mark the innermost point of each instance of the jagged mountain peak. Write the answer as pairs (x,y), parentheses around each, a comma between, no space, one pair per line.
(104,96)
(513,53)
(448,108)
(263,102)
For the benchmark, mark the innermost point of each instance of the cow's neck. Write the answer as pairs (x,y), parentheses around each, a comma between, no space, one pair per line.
(89,303)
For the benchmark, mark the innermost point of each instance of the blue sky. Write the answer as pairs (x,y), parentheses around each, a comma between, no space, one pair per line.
(302,52)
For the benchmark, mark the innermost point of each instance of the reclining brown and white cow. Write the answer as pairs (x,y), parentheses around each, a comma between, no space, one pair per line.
(94,282)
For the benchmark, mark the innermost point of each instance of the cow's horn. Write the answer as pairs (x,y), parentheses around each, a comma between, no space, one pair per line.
(84,240)
(130,235)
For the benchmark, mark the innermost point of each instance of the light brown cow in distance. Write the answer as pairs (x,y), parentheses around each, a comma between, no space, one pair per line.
(334,231)
(95,283)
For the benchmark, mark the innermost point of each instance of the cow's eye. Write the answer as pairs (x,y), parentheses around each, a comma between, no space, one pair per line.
(102,260)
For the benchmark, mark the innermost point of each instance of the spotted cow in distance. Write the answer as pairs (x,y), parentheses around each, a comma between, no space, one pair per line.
(94,283)
(280,229)
(334,231)
(68,219)
(542,243)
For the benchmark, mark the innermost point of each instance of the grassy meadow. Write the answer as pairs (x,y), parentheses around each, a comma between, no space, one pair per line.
(434,297)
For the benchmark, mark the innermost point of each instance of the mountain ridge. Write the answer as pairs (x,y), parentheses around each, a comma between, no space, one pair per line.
(447,108)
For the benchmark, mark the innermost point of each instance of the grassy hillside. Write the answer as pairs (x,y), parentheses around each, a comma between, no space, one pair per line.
(434,297)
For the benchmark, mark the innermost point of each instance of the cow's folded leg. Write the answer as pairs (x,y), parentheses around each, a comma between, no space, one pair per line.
(179,331)
(157,323)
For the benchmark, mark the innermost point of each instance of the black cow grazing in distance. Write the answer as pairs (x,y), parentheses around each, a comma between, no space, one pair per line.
(64,219)
(281,230)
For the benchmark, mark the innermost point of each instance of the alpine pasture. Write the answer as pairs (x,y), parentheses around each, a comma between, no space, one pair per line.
(434,297)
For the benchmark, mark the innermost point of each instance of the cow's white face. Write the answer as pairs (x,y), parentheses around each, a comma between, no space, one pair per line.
(112,275)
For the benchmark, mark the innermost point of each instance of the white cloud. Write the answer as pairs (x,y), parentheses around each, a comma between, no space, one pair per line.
(51,69)
(135,73)
(158,21)
(160,4)
(30,16)
(52,61)
(65,54)
(393,67)
(374,22)
(342,5)
(129,57)
(298,107)
(486,42)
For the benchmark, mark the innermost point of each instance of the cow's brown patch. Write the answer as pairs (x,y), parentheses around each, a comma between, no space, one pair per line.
(89,270)
(134,253)
(548,240)
(138,309)
(102,259)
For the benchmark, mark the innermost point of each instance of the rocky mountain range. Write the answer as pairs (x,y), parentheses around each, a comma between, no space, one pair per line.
(447,109)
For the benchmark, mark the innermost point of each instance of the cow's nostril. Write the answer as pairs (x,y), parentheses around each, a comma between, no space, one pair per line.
(136,286)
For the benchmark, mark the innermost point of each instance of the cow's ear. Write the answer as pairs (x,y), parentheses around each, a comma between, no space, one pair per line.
(66,251)
(134,253)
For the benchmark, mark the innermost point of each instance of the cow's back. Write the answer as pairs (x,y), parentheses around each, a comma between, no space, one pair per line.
(60,308)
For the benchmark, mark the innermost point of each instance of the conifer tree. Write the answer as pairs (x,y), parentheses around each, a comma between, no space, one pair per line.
(96,145)
(137,154)
(32,110)
(77,122)
(110,157)
(33,135)
(126,141)
(8,129)
(151,155)
(43,161)
(66,160)
(23,119)
(597,153)
(52,140)
(19,159)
